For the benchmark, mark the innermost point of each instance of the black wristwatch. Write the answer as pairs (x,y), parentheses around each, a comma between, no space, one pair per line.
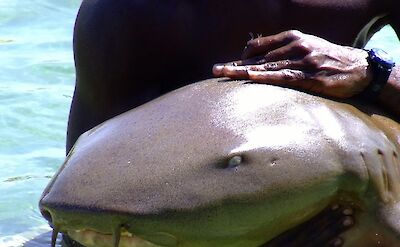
(381,65)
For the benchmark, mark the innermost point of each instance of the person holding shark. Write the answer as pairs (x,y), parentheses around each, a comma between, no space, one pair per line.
(129,52)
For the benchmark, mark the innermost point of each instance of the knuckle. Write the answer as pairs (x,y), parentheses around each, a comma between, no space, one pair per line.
(311,62)
(302,46)
(254,43)
(250,44)
(295,34)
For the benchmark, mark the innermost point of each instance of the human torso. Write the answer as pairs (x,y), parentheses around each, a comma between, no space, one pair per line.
(129,51)
(225,27)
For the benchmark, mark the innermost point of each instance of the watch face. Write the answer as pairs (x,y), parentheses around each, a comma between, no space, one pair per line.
(382,58)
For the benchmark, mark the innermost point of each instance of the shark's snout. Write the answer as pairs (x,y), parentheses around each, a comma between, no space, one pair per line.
(100,229)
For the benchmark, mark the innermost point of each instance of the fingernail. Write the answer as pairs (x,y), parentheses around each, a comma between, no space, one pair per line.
(217,69)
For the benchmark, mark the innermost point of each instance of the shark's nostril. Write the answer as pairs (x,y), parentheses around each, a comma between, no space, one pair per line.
(46,214)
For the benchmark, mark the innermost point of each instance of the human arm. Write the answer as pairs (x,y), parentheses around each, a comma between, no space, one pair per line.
(307,62)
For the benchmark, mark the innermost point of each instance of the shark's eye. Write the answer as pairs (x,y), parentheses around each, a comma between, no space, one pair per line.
(230,162)
(235,161)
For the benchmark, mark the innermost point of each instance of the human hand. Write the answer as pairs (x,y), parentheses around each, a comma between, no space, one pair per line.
(304,61)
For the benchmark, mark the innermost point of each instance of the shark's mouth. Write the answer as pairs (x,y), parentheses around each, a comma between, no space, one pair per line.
(90,238)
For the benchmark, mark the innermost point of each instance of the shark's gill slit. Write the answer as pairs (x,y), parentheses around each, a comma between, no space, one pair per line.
(396,164)
(387,186)
(117,236)
(54,237)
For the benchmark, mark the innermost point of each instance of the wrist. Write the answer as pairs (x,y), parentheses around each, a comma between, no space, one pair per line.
(380,66)
(369,74)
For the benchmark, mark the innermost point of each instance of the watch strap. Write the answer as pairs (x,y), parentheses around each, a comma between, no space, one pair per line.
(381,67)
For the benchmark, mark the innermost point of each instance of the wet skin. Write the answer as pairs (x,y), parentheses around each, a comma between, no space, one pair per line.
(234,164)
(129,52)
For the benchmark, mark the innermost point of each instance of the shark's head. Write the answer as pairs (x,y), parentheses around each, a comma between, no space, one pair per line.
(211,164)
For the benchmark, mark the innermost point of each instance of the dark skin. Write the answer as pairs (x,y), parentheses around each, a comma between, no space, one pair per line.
(129,52)
(126,51)
(303,61)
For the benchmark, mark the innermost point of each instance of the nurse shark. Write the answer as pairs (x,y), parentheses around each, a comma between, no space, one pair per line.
(225,163)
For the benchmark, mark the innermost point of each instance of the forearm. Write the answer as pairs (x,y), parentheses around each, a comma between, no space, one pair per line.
(390,95)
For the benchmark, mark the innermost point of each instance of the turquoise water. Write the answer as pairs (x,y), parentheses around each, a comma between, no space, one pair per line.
(36,84)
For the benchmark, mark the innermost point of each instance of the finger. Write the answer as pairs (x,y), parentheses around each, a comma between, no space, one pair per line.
(328,228)
(237,72)
(231,71)
(262,45)
(335,225)
(288,77)
(295,50)
(322,230)
(274,66)
(219,67)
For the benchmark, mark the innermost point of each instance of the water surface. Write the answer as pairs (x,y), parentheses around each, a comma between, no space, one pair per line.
(36,84)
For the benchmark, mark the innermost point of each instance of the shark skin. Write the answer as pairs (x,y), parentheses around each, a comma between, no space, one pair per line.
(228,164)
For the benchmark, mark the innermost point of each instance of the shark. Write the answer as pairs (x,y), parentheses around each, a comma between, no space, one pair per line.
(223,163)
